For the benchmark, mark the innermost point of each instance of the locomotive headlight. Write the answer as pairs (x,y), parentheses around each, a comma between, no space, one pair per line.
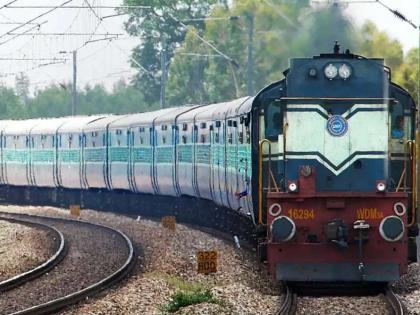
(330,71)
(293,187)
(344,71)
(391,228)
(380,186)
(282,229)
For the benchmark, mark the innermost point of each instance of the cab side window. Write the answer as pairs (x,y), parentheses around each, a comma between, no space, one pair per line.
(398,125)
(273,121)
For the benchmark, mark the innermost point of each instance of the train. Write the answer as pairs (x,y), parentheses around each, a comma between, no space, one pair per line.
(319,168)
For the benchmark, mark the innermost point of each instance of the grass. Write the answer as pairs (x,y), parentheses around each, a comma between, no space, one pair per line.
(188,293)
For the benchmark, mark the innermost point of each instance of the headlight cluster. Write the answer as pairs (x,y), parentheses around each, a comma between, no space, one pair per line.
(332,70)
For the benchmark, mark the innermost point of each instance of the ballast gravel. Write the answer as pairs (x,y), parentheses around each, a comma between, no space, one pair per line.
(343,305)
(167,264)
(23,248)
(408,289)
(93,254)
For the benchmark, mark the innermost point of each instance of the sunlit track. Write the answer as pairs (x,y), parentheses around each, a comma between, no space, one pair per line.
(289,304)
(89,267)
(58,255)
(350,292)
(395,302)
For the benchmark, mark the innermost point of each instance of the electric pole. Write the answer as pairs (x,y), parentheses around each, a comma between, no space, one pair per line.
(250,64)
(163,75)
(74,91)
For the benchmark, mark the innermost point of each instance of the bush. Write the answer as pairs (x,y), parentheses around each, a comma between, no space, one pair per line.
(186,298)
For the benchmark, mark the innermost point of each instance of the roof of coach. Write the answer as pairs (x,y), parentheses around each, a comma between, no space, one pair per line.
(19,127)
(170,116)
(220,111)
(102,123)
(246,106)
(191,114)
(213,111)
(49,126)
(4,124)
(140,119)
(75,124)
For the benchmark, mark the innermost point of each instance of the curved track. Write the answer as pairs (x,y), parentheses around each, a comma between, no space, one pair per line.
(290,301)
(24,277)
(98,256)
(289,305)
(395,302)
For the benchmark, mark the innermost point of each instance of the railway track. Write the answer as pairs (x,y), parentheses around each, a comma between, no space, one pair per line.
(395,302)
(97,257)
(290,301)
(289,304)
(58,255)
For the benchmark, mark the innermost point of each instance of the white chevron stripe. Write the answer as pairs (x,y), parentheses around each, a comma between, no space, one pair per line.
(367,131)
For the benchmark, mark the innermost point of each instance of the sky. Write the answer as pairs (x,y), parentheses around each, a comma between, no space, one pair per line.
(108,61)
(385,20)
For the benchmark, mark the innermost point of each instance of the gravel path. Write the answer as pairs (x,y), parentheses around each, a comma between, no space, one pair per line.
(169,265)
(408,288)
(23,248)
(342,305)
(93,253)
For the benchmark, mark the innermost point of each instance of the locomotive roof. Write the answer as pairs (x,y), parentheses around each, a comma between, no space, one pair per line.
(76,124)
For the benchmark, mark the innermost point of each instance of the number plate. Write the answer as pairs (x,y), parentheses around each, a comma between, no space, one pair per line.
(206,262)
(75,210)
(169,222)
(301,214)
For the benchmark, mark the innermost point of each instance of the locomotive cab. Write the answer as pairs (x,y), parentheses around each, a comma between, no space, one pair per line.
(337,189)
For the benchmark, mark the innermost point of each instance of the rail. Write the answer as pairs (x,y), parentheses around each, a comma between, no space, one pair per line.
(43,268)
(289,304)
(70,299)
(395,302)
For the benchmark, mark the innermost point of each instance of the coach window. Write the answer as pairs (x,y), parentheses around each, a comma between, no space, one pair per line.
(273,120)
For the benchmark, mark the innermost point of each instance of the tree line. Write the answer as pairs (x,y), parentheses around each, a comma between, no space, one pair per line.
(207,60)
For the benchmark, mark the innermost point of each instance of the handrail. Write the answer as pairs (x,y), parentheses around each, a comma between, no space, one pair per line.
(260,176)
(412,146)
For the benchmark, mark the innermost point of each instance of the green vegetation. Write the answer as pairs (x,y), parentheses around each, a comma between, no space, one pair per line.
(284,29)
(197,73)
(187,293)
(186,298)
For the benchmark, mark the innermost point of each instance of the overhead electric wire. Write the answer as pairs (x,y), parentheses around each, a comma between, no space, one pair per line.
(35,18)
(76,7)
(397,13)
(230,59)
(21,34)
(66,34)
(122,50)
(94,12)
(32,59)
(279,12)
(7,4)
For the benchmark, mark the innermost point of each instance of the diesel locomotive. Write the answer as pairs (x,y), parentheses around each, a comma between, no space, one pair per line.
(320,166)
